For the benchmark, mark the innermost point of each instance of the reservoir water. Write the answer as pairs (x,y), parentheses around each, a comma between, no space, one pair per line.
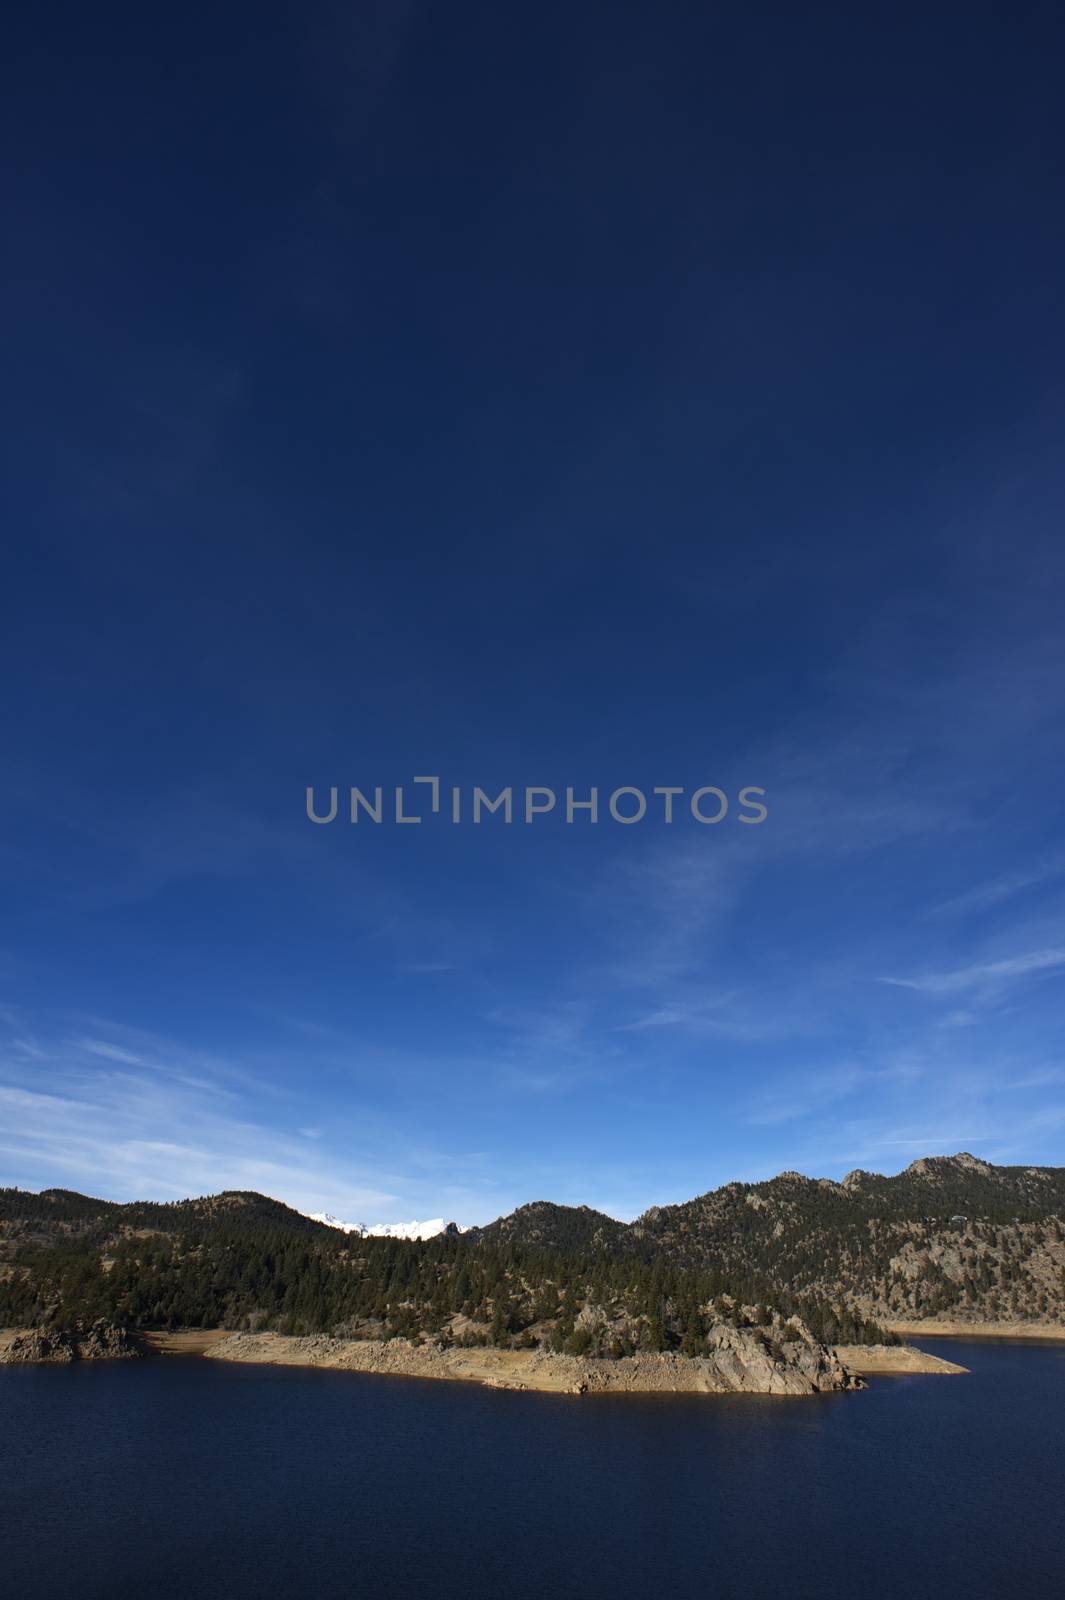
(179,1477)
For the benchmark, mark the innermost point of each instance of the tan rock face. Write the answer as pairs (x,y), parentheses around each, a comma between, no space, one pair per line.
(741,1361)
(100,1342)
(36,1345)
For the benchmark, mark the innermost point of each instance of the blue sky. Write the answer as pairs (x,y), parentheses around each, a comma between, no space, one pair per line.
(648,397)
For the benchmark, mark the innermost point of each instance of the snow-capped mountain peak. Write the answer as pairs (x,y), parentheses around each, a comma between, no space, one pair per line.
(335,1222)
(387,1230)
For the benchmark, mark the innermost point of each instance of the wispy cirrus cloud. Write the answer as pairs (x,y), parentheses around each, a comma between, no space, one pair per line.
(983,974)
(30,1049)
(813,1091)
(160,1121)
(132,1136)
(995,891)
(126,1114)
(730,1016)
(706,1012)
(111,1052)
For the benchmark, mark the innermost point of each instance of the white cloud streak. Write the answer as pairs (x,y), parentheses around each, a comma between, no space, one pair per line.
(983,974)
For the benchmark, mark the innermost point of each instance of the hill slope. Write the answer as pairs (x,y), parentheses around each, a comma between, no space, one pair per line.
(951,1234)
(950,1237)
(241,1261)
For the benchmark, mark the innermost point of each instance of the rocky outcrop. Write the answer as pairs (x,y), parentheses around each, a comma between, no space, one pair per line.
(102,1341)
(745,1361)
(37,1344)
(741,1361)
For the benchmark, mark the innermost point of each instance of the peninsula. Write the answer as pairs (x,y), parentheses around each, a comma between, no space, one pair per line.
(792,1286)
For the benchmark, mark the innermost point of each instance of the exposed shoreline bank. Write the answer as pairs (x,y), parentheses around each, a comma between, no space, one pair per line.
(836,1370)
(186,1342)
(739,1365)
(943,1328)
(881,1360)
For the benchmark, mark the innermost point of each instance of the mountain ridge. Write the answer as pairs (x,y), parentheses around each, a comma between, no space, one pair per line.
(948,1237)
(949,1234)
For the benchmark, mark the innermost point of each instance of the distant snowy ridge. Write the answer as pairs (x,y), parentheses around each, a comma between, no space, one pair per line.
(389,1230)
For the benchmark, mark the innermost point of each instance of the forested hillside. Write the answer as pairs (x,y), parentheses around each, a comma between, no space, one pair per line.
(950,1236)
(242,1261)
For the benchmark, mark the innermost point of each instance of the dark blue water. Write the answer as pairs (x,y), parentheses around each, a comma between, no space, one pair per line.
(180,1477)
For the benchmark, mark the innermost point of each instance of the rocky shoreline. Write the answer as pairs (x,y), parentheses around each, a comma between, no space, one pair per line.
(739,1363)
(882,1360)
(947,1328)
(101,1341)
